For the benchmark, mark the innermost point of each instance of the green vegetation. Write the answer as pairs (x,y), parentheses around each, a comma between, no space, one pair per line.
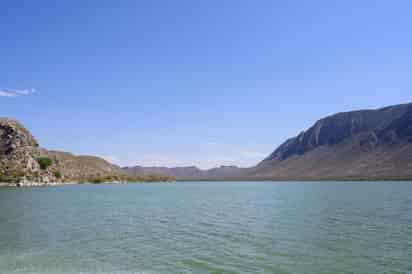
(96,180)
(102,179)
(44,162)
(148,179)
(58,174)
(108,179)
(3,176)
(12,176)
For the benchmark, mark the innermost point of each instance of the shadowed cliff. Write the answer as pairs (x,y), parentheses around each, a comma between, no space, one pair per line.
(358,144)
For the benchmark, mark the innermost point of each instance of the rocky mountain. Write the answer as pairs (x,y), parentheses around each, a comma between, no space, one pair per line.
(185,173)
(357,144)
(24,162)
(365,144)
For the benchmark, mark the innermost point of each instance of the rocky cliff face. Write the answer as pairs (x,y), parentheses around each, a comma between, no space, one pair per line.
(13,135)
(335,129)
(361,144)
(20,154)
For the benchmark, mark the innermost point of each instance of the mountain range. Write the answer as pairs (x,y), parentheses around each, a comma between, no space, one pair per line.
(363,144)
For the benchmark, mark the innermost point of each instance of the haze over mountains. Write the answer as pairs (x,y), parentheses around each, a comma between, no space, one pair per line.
(358,144)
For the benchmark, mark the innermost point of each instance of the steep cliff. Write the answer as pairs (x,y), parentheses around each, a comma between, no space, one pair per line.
(358,144)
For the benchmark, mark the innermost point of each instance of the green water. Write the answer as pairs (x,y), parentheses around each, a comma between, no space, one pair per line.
(249,227)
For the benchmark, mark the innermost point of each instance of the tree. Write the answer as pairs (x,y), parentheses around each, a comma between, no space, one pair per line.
(58,174)
(44,162)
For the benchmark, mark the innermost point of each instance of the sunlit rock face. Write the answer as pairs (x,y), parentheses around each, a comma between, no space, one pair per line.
(18,148)
(20,151)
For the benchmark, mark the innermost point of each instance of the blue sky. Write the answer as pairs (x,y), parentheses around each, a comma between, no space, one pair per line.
(201,83)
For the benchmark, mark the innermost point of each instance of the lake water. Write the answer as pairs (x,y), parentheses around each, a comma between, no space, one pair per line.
(251,227)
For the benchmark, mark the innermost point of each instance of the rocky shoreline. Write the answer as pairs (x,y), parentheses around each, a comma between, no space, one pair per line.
(35,184)
(39,184)
(31,184)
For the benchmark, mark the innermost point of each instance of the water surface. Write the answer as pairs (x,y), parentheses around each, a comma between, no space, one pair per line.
(251,227)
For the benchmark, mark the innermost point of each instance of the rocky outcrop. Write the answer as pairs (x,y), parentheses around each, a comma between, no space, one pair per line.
(13,135)
(19,161)
(18,153)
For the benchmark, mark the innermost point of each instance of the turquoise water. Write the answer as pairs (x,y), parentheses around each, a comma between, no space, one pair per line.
(249,227)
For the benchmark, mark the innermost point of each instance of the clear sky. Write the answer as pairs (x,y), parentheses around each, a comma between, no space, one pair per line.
(201,83)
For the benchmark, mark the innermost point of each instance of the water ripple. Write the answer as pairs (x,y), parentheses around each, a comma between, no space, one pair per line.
(208,228)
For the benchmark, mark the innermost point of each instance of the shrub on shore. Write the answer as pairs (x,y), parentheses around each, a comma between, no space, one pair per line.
(11,176)
(44,162)
(57,174)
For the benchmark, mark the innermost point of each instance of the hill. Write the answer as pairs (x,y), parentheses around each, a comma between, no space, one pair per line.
(24,162)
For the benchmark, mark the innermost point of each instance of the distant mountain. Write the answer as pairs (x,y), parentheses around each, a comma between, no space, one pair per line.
(357,144)
(364,144)
(185,173)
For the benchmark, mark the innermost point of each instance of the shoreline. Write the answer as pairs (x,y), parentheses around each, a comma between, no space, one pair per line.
(371,180)
(36,184)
